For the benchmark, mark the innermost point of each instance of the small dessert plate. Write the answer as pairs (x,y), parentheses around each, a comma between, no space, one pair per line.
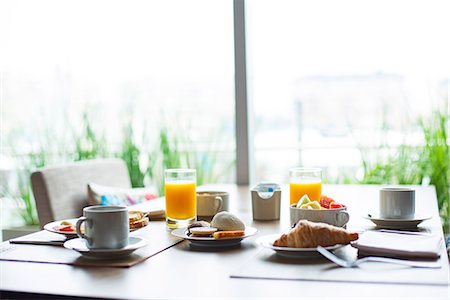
(299,253)
(211,242)
(52,227)
(79,245)
(396,223)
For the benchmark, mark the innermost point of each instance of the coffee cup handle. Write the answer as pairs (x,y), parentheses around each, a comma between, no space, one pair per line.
(342,218)
(220,201)
(78,227)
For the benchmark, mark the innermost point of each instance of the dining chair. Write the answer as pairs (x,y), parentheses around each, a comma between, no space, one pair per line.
(61,191)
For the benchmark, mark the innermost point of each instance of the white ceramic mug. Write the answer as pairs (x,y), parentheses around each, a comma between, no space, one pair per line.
(397,203)
(106,227)
(334,216)
(210,203)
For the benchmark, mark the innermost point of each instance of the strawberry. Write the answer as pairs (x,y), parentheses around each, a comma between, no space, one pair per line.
(325,201)
(67,228)
(336,205)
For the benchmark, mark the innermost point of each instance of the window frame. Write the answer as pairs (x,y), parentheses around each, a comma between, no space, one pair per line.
(244,133)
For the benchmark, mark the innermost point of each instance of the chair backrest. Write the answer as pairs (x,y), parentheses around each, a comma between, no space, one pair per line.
(61,191)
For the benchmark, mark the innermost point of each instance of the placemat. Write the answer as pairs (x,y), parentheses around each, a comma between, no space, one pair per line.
(268,265)
(159,239)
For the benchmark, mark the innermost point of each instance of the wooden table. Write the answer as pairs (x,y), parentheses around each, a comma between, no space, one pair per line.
(181,273)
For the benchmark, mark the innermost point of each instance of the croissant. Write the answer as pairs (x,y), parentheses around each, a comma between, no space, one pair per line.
(308,234)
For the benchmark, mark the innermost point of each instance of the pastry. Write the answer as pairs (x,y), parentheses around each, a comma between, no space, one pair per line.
(228,234)
(135,215)
(139,223)
(137,219)
(202,231)
(308,234)
(225,221)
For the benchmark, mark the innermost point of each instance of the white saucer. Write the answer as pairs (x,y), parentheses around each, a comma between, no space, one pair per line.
(396,223)
(299,253)
(79,245)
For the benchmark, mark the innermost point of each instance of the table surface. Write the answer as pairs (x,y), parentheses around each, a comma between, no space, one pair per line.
(183,273)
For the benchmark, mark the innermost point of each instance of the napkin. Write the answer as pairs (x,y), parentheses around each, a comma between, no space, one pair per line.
(401,245)
(40,238)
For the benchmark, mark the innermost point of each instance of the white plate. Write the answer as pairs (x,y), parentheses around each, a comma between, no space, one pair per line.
(267,242)
(71,234)
(50,227)
(79,245)
(212,242)
(396,223)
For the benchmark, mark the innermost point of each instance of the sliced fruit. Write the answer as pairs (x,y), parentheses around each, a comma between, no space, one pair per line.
(311,205)
(335,205)
(303,200)
(325,201)
(314,205)
(306,206)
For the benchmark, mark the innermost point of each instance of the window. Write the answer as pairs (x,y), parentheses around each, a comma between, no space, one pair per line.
(331,81)
(153,67)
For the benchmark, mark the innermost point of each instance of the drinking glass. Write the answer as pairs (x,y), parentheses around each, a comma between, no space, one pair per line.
(305,181)
(181,197)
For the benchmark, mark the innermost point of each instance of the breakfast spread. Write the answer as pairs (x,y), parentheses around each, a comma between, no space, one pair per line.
(223,225)
(308,234)
(324,203)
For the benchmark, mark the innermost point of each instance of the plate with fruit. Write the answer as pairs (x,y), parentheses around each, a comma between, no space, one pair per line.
(327,210)
(225,230)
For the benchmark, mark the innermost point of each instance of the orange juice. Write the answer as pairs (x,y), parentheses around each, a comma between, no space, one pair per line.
(299,188)
(181,200)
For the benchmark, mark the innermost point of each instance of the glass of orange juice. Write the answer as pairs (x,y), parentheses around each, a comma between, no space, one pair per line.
(305,181)
(181,197)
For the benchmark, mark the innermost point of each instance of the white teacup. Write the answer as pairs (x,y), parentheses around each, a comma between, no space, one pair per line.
(334,216)
(106,227)
(210,203)
(397,203)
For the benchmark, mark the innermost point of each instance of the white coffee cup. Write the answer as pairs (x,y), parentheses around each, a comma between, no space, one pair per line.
(397,203)
(106,227)
(210,203)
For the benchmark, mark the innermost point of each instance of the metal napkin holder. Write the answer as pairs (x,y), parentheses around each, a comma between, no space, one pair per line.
(266,199)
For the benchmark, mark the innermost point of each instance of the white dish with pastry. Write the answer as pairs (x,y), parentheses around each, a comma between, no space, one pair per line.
(224,230)
(302,240)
